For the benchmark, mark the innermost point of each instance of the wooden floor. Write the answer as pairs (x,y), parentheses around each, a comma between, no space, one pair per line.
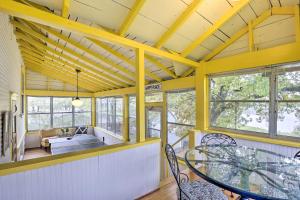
(35,153)
(167,191)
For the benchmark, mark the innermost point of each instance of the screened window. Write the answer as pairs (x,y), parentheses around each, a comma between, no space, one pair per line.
(181,116)
(154,97)
(110,114)
(132,118)
(62,112)
(240,102)
(288,102)
(82,114)
(265,101)
(57,112)
(39,116)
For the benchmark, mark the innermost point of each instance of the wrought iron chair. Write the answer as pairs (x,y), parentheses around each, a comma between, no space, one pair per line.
(213,139)
(191,190)
(217,139)
(297,155)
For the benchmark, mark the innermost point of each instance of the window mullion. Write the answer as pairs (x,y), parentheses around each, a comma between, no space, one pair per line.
(51,112)
(273,105)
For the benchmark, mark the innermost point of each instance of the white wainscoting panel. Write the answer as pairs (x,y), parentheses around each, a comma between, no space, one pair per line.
(123,175)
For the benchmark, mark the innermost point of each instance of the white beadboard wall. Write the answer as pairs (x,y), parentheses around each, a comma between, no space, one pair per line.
(284,150)
(124,175)
(10,73)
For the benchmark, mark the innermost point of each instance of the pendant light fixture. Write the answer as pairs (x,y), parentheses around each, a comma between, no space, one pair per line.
(77,102)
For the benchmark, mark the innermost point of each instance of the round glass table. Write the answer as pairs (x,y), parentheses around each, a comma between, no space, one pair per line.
(249,172)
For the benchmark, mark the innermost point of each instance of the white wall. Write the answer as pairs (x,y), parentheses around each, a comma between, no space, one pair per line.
(284,150)
(123,175)
(10,73)
(109,139)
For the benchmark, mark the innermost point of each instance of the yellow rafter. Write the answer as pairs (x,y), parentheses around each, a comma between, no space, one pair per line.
(124,58)
(218,24)
(35,15)
(132,14)
(113,82)
(250,36)
(109,71)
(51,66)
(65,11)
(87,50)
(178,22)
(34,66)
(54,61)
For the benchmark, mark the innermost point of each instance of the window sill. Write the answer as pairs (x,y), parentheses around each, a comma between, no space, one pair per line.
(110,133)
(277,141)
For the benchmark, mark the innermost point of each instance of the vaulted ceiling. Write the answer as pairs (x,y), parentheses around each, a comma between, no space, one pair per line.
(199,30)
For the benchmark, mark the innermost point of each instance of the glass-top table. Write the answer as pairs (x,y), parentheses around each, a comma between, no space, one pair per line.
(249,172)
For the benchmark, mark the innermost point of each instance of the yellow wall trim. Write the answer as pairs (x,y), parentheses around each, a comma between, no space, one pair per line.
(11,168)
(57,93)
(276,55)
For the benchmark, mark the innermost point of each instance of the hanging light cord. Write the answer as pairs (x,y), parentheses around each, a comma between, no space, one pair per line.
(77,71)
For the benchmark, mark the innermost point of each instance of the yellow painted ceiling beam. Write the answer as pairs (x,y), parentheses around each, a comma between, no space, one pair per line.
(114,82)
(279,54)
(288,10)
(161,66)
(123,58)
(58,75)
(178,22)
(131,16)
(218,24)
(35,15)
(65,11)
(51,66)
(79,56)
(265,15)
(87,50)
(61,62)
(297,22)
(55,71)
(53,61)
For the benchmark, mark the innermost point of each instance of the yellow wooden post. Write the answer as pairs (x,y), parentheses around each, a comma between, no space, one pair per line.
(126,118)
(93,111)
(192,139)
(250,36)
(297,23)
(201,87)
(164,164)
(140,95)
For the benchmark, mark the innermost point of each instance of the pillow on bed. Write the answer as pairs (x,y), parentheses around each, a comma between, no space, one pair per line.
(81,130)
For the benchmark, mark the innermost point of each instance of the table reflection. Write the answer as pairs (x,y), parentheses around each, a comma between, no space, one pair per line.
(253,173)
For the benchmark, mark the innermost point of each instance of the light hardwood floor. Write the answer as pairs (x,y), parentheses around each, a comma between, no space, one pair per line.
(35,153)
(167,191)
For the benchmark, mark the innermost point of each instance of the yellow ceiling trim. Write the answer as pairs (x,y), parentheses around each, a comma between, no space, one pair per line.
(131,16)
(33,14)
(218,24)
(57,93)
(178,22)
(79,56)
(65,8)
(111,81)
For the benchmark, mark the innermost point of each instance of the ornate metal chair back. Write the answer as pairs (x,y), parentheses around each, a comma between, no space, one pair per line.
(297,155)
(212,139)
(179,177)
(172,159)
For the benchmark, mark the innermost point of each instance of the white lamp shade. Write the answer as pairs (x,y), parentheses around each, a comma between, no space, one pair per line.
(77,102)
